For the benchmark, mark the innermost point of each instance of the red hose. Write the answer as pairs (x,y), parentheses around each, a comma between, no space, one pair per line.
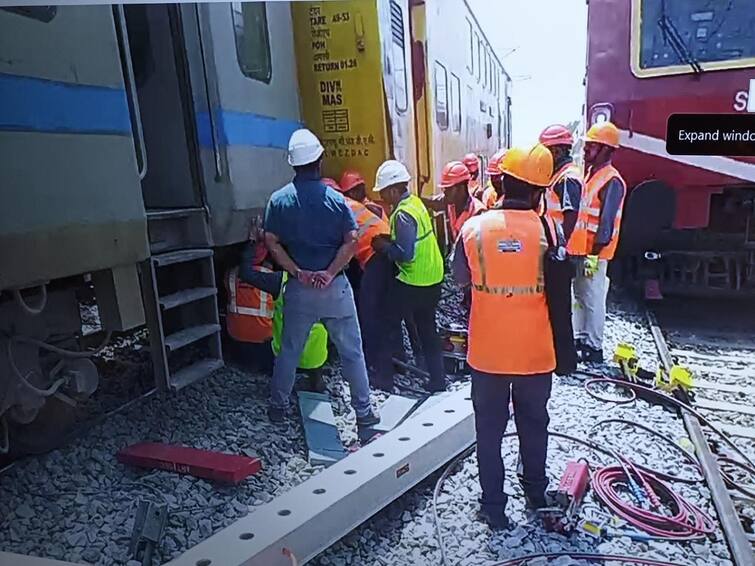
(587,556)
(687,521)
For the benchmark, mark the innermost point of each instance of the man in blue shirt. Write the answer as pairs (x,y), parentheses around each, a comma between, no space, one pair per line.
(311,233)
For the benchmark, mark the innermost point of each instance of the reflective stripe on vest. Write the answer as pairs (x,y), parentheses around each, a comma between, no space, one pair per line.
(369,226)
(588,221)
(552,200)
(426,268)
(474,207)
(262,304)
(509,324)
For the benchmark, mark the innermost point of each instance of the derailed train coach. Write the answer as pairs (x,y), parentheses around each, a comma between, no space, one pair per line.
(140,140)
(692,215)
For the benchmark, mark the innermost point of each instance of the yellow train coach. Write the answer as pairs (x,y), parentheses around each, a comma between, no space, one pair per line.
(411,79)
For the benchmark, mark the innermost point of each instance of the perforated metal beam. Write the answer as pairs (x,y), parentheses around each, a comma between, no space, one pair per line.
(10,559)
(312,516)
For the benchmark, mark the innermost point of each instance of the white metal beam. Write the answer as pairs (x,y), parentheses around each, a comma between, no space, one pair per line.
(312,516)
(10,559)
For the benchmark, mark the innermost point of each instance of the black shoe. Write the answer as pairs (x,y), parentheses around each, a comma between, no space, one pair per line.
(383,385)
(494,517)
(317,383)
(591,355)
(368,420)
(276,415)
(436,387)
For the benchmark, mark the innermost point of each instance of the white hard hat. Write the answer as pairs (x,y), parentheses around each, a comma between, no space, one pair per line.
(303,148)
(390,173)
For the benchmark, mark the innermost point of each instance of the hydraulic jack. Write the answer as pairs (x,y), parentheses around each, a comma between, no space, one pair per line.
(562,516)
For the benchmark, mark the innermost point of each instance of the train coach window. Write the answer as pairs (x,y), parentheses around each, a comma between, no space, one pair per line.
(252,40)
(455,103)
(679,37)
(441,95)
(400,79)
(477,54)
(41,13)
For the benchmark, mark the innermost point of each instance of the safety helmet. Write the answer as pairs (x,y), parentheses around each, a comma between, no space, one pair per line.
(391,172)
(556,135)
(604,133)
(351,179)
(494,163)
(328,182)
(453,173)
(470,160)
(304,148)
(532,165)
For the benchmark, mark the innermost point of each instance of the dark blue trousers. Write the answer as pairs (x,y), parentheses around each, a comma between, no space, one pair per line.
(490,397)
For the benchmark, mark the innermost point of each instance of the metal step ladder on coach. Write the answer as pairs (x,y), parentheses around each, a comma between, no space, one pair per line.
(180,297)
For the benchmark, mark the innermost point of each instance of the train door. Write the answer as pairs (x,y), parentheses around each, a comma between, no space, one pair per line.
(171,182)
(252,107)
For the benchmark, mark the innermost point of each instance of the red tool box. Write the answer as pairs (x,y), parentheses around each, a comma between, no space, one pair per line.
(217,466)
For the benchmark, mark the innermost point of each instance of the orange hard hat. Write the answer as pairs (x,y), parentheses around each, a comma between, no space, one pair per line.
(351,179)
(494,163)
(556,135)
(454,173)
(332,183)
(532,165)
(470,160)
(604,133)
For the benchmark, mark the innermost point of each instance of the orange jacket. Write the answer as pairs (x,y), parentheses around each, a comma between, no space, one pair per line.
(553,202)
(474,207)
(509,325)
(588,220)
(369,226)
(249,314)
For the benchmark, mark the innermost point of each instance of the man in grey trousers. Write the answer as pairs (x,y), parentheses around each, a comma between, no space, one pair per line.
(311,233)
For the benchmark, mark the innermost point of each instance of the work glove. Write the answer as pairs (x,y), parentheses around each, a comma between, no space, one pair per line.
(591,265)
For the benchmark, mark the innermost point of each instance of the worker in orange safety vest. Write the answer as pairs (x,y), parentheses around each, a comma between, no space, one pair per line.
(473,165)
(375,276)
(493,193)
(354,186)
(595,237)
(455,199)
(564,194)
(501,255)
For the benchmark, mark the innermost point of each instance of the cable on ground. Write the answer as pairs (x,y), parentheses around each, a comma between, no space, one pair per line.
(587,556)
(31,310)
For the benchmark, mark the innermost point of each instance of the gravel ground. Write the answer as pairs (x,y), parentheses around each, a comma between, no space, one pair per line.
(713,340)
(404,533)
(78,503)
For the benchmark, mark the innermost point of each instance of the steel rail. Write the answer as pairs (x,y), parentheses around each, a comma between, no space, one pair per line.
(736,538)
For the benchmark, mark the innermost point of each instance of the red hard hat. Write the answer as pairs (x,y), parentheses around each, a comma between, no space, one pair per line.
(470,160)
(332,183)
(454,173)
(351,179)
(494,164)
(556,135)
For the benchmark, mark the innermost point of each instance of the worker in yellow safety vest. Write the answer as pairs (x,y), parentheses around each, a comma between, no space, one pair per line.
(472,163)
(494,191)
(595,237)
(501,254)
(564,194)
(254,315)
(415,292)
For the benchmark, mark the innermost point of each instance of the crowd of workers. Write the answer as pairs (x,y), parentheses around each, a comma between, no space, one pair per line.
(530,247)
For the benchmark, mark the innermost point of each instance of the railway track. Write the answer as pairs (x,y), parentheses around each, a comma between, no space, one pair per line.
(723,362)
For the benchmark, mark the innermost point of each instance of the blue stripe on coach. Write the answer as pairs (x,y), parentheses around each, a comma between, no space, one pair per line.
(246,128)
(41,105)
